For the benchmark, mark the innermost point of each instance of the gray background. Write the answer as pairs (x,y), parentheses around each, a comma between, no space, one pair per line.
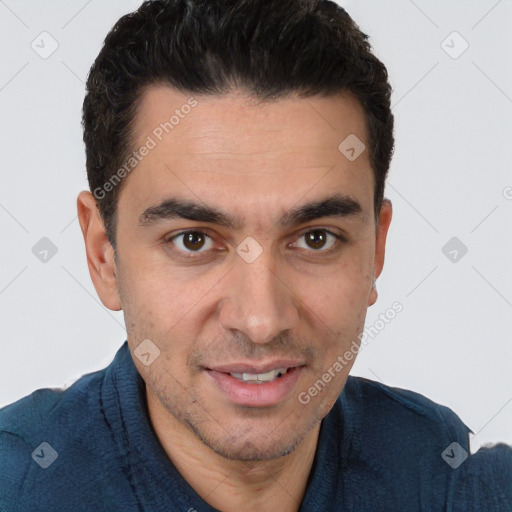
(450,177)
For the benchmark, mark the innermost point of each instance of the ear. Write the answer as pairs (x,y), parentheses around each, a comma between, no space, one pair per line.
(384,221)
(100,253)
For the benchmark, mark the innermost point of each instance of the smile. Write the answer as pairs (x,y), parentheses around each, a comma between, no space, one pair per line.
(255,388)
(258,378)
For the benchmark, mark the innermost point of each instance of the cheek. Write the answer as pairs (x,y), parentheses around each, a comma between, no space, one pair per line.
(340,298)
(163,307)
(152,291)
(143,301)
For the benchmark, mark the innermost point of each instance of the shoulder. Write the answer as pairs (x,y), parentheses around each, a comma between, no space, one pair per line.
(400,427)
(30,416)
(41,428)
(379,399)
(485,478)
(418,442)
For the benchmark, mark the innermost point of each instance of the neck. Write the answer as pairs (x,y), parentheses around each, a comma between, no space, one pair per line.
(234,485)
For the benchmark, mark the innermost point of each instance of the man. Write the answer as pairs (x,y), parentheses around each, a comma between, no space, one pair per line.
(237,153)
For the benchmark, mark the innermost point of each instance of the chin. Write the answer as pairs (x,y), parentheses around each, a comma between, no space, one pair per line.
(250,450)
(249,443)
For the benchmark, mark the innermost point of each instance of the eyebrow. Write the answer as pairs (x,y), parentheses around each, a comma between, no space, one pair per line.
(337,205)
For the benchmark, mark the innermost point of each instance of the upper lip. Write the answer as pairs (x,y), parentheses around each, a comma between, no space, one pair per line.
(241,367)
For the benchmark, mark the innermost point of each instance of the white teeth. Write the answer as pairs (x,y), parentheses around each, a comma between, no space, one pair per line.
(260,377)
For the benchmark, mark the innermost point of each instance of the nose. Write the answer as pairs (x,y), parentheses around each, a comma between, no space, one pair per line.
(258,301)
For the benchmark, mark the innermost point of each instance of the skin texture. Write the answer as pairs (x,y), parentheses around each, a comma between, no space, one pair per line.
(256,161)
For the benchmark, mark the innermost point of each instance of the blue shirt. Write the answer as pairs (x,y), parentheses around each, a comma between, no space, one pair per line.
(92,448)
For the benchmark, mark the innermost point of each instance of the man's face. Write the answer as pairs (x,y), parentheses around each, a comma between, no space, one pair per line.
(292,296)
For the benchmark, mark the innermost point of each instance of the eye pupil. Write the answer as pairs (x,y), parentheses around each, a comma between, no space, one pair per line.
(317,238)
(193,240)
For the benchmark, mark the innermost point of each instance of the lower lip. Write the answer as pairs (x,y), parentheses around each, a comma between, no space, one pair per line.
(256,395)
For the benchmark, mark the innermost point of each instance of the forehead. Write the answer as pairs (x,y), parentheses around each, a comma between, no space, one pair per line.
(240,124)
(221,149)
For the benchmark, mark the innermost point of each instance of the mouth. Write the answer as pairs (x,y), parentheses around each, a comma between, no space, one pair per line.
(260,378)
(256,386)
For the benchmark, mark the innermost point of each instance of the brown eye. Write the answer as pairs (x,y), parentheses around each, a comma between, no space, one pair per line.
(319,240)
(322,241)
(192,241)
(315,239)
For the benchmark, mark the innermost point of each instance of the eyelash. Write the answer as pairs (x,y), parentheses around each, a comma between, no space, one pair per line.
(197,254)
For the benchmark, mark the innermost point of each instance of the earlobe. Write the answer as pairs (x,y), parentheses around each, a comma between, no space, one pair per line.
(372,299)
(100,254)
